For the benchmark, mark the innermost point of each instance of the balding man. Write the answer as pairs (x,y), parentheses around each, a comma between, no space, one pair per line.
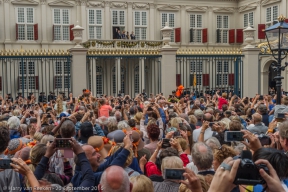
(207,132)
(258,127)
(115,179)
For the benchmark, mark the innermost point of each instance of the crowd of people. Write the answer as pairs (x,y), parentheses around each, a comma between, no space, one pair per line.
(143,144)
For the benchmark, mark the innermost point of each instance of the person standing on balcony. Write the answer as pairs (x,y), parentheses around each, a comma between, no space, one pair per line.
(127,35)
(119,34)
(123,36)
(132,36)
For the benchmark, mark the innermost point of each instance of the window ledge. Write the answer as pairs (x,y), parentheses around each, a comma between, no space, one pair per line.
(26,41)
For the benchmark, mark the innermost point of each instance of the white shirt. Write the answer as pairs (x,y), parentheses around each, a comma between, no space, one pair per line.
(208,133)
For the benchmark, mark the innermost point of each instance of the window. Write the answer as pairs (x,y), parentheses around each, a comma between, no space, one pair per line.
(248,18)
(61,27)
(122,80)
(271,15)
(136,80)
(62,75)
(25,23)
(118,18)
(27,75)
(140,22)
(222,28)
(170,18)
(99,80)
(95,24)
(222,73)
(196,68)
(196,28)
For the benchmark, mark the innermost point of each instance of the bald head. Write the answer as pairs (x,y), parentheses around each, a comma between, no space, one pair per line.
(257,118)
(114,178)
(208,117)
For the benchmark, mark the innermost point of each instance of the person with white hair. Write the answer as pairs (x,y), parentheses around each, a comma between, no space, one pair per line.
(14,125)
(122,125)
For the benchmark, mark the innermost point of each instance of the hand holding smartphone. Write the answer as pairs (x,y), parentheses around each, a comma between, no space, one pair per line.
(233,136)
(174,174)
(5,164)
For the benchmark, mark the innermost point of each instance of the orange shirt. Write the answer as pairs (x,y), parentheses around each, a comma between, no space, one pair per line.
(104,110)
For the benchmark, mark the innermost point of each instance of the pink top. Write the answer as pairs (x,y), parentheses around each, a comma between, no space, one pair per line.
(222,101)
(104,110)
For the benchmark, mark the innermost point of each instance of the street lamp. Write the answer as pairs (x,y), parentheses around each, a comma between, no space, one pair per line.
(277,38)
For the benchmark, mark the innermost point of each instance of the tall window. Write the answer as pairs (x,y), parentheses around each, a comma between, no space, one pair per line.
(136,80)
(61,27)
(27,78)
(118,18)
(196,27)
(196,68)
(95,23)
(170,18)
(248,18)
(122,89)
(62,75)
(222,28)
(222,73)
(99,80)
(25,23)
(140,22)
(271,15)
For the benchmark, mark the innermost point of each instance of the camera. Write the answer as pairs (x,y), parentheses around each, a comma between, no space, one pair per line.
(233,136)
(248,172)
(264,139)
(280,115)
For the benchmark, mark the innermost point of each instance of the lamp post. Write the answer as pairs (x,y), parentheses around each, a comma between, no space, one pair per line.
(277,38)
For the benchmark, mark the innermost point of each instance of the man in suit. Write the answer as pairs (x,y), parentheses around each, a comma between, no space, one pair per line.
(42,98)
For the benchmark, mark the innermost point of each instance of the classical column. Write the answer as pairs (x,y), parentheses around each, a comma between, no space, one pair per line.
(152,21)
(118,76)
(130,18)
(83,18)
(44,24)
(7,23)
(212,23)
(142,74)
(107,25)
(183,25)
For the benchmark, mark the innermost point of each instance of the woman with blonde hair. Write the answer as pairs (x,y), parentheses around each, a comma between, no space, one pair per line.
(61,106)
(141,183)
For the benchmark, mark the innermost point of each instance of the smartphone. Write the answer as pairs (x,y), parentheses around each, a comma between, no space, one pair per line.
(5,164)
(211,124)
(91,114)
(63,143)
(175,174)
(176,134)
(31,112)
(165,143)
(233,136)
(264,140)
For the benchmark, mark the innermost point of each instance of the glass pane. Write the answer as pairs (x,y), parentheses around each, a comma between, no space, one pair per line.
(31,82)
(144,18)
(192,67)
(29,15)
(225,22)
(91,16)
(99,32)
(143,33)
(114,83)
(251,18)
(21,18)
(22,68)
(136,80)
(65,16)
(66,33)
(219,79)
(226,67)
(66,68)
(122,18)
(172,36)
(30,32)
(219,66)
(275,13)
(22,79)
(219,21)
(67,82)
(31,68)
(91,32)
(192,21)
(58,82)
(225,36)
(57,32)
(268,14)
(199,66)
(137,18)
(199,21)
(245,20)
(21,32)
(164,19)
(199,79)
(58,67)
(115,17)
(225,79)
(99,17)
(137,33)
(199,35)
(171,20)
(57,19)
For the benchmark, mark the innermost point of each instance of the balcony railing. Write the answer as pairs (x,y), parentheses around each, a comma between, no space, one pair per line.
(123,44)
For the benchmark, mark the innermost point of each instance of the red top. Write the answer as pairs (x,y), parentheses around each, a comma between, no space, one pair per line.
(222,101)
(104,110)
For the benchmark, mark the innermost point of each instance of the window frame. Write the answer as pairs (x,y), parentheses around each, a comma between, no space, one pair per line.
(222,29)
(62,76)
(25,23)
(196,28)
(27,75)
(141,26)
(248,19)
(61,24)
(163,24)
(222,73)
(95,25)
(197,70)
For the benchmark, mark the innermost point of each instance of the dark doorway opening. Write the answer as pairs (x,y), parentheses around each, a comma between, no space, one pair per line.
(272,82)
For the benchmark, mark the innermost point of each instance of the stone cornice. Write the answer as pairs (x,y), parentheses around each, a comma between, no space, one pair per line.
(24,2)
(268,2)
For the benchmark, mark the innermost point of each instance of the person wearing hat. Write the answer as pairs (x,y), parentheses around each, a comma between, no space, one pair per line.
(119,158)
(14,146)
(51,96)
(42,98)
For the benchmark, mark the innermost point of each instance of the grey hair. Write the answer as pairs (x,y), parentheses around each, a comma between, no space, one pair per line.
(112,120)
(24,128)
(13,123)
(122,125)
(213,142)
(125,184)
(172,162)
(202,159)
(199,114)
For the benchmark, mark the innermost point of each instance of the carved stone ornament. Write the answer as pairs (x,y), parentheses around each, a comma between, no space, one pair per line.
(140,5)
(247,8)
(169,7)
(197,9)
(224,10)
(96,4)
(6,1)
(268,2)
(24,2)
(166,33)
(118,5)
(61,3)
(78,33)
(249,36)
(43,2)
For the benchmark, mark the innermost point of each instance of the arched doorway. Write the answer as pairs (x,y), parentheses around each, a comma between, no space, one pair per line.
(272,74)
